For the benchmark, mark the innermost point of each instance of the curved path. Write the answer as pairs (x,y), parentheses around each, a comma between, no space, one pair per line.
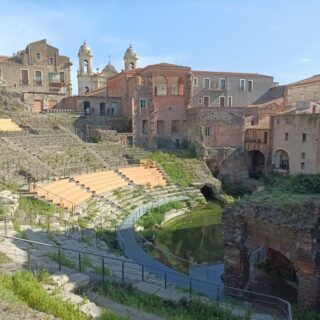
(127,240)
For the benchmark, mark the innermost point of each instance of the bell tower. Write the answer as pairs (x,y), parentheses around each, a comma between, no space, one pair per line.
(130,59)
(85,60)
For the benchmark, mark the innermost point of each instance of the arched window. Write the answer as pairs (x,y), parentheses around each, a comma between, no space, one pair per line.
(86,89)
(85,66)
(160,86)
(132,66)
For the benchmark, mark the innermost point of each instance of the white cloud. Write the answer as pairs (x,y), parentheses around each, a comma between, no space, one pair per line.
(304,60)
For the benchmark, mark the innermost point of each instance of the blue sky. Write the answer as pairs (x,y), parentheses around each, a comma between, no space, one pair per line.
(278,38)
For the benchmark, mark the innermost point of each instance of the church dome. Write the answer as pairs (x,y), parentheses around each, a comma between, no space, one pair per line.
(85,48)
(130,53)
(109,67)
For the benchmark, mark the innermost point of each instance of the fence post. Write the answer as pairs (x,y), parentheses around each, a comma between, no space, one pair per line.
(29,257)
(79,258)
(218,295)
(165,280)
(103,273)
(122,273)
(190,289)
(142,273)
(5,227)
(59,258)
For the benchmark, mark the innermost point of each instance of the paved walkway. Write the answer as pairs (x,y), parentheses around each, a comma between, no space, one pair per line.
(127,241)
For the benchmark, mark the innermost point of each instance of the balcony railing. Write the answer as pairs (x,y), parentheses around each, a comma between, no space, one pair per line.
(37,83)
(57,84)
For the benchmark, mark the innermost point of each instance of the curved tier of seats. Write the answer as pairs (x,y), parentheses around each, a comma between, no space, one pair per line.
(69,193)
(8,125)
(141,176)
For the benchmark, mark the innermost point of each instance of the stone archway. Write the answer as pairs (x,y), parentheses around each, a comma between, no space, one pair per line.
(281,160)
(296,237)
(257,164)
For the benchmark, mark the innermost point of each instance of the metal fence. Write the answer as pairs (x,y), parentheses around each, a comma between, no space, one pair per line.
(102,268)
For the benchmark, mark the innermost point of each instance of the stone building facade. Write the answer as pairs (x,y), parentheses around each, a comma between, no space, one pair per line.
(40,73)
(88,80)
(305,90)
(295,142)
(227,89)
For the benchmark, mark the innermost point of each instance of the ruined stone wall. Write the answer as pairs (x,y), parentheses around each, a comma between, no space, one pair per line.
(295,235)
(226,127)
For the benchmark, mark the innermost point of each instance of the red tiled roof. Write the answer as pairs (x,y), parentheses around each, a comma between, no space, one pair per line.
(223,73)
(4,58)
(315,78)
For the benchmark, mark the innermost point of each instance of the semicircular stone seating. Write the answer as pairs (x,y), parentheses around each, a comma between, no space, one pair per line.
(71,192)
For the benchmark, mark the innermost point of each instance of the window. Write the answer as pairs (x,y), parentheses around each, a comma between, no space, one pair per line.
(160,127)
(222,101)
(62,77)
(38,55)
(303,155)
(174,89)
(38,78)
(206,83)
(286,136)
(207,131)
(301,96)
(200,101)
(230,101)
(51,61)
(278,120)
(143,103)
(288,121)
(195,82)
(24,77)
(303,165)
(250,85)
(242,84)
(206,102)
(175,126)
(144,126)
(265,137)
(254,136)
(222,84)
(304,137)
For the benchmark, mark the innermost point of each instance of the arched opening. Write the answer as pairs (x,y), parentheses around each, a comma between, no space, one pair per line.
(257,164)
(85,66)
(132,66)
(177,86)
(86,89)
(102,109)
(207,192)
(280,161)
(160,86)
(86,108)
(271,272)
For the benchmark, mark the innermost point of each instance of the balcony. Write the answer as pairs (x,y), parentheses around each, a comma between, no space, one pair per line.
(56,84)
(256,145)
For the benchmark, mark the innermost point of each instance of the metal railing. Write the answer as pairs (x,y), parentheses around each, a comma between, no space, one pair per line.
(248,299)
(101,268)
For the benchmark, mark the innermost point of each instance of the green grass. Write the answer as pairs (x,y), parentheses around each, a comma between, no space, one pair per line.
(155,216)
(24,286)
(196,309)
(110,238)
(289,202)
(64,259)
(174,167)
